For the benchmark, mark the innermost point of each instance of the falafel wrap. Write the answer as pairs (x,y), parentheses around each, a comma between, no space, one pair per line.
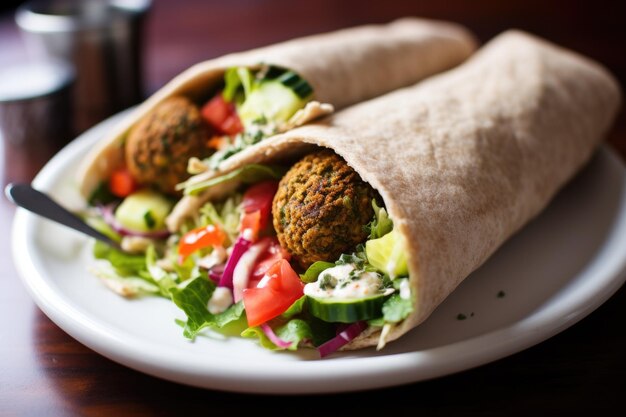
(216,108)
(349,232)
(386,207)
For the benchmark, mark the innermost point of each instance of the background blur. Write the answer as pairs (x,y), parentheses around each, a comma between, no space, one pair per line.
(180,33)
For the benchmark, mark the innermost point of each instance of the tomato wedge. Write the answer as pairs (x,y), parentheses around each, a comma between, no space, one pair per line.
(259,196)
(232,125)
(222,115)
(198,238)
(257,206)
(278,290)
(272,254)
(250,225)
(122,183)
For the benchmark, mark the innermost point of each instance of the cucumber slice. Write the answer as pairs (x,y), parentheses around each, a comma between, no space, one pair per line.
(272,100)
(346,310)
(296,83)
(388,254)
(143,211)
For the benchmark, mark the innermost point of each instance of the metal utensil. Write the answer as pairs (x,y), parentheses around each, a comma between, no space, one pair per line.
(25,196)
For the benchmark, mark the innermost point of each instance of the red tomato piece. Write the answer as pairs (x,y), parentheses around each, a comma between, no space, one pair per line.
(221,115)
(199,238)
(232,125)
(122,183)
(252,222)
(282,288)
(259,197)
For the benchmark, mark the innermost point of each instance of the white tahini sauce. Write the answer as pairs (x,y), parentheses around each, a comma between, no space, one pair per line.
(405,289)
(336,282)
(221,299)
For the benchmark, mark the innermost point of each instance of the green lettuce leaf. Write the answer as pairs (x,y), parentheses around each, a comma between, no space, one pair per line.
(396,309)
(381,224)
(248,174)
(193,299)
(294,331)
(294,309)
(124,264)
(313,271)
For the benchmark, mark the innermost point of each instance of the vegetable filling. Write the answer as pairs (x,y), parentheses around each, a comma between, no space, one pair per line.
(281,259)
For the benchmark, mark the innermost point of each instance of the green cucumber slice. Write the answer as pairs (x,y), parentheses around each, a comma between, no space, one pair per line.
(143,211)
(271,100)
(346,310)
(298,84)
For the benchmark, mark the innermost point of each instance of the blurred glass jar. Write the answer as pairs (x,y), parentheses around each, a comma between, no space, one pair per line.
(35,115)
(102,39)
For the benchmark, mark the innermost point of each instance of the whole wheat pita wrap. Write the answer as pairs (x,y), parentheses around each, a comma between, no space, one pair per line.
(462,160)
(343,67)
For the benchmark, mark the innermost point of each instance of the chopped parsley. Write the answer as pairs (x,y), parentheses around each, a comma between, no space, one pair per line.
(328,281)
(149,219)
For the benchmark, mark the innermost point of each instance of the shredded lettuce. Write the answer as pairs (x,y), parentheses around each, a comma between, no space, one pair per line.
(248,174)
(185,271)
(163,279)
(123,263)
(239,143)
(381,224)
(226,215)
(127,286)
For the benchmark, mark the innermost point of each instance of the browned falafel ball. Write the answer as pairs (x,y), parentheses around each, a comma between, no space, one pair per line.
(320,208)
(160,145)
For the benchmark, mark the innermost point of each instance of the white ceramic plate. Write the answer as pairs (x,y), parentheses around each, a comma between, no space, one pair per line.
(559,269)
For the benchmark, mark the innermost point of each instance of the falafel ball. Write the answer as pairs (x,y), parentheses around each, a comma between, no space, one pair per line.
(160,145)
(320,208)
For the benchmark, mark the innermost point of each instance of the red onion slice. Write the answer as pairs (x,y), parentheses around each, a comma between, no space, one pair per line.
(269,332)
(346,335)
(243,269)
(216,272)
(239,248)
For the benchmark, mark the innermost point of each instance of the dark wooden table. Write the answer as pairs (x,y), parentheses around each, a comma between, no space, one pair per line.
(44,372)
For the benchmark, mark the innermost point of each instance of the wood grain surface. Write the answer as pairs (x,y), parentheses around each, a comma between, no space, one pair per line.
(581,371)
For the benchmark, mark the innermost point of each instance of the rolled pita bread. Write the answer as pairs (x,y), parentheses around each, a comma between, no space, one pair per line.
(343,67)
(462,160)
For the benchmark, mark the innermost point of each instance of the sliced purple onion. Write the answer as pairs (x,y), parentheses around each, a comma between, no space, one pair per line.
(269,332)
(343,337)
(239,248)
(109,217)
(216,272)
(243,269)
